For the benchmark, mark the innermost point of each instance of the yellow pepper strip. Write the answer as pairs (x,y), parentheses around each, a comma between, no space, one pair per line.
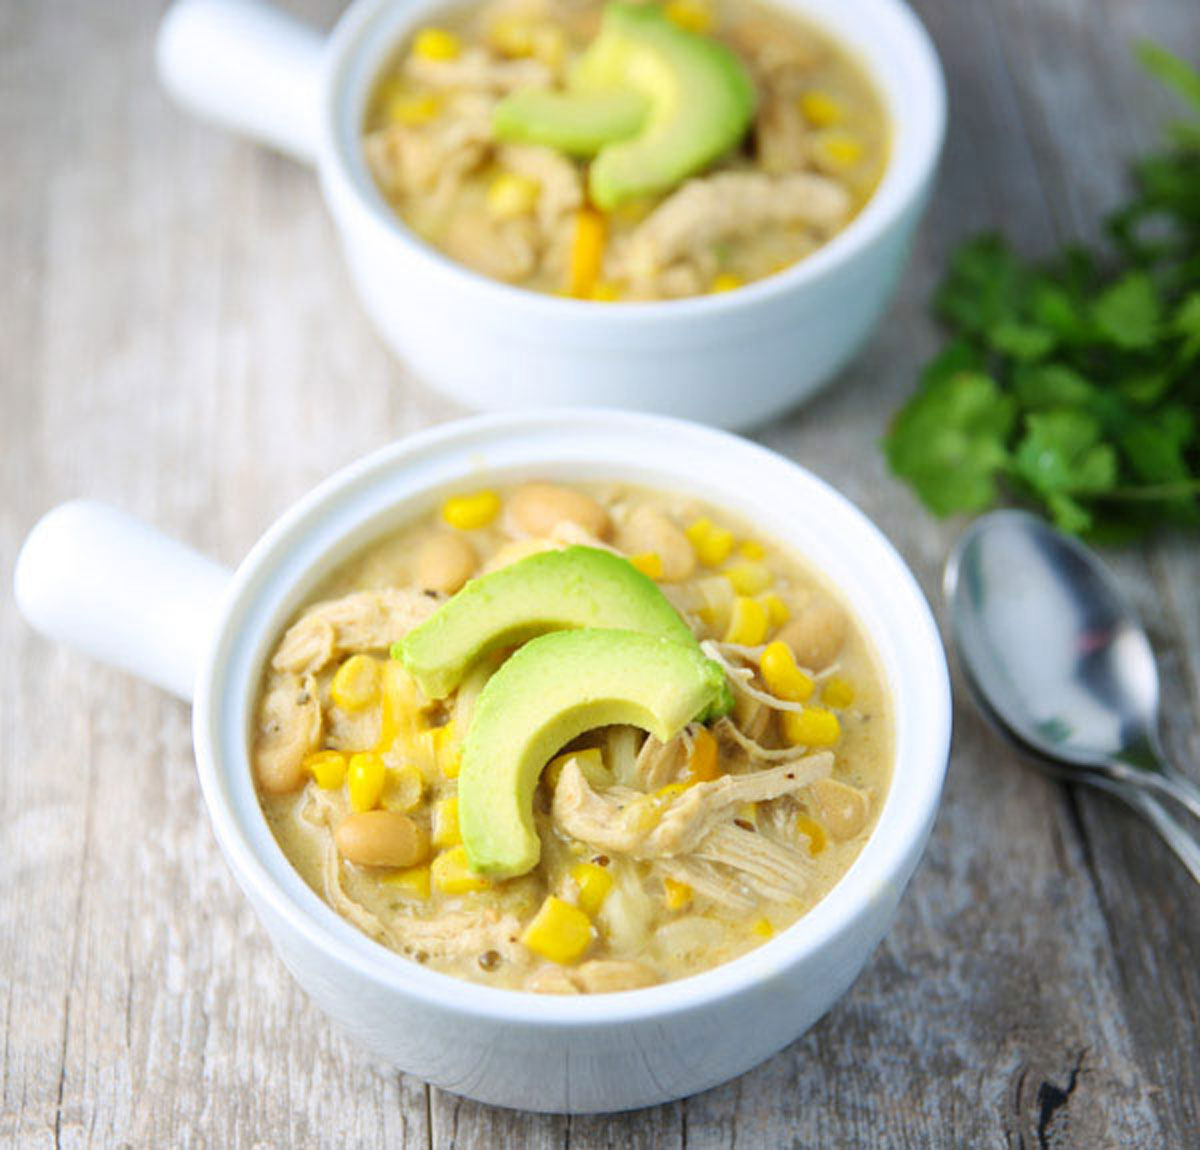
(778,611)
(436,44)
(471,512)
(747,623)
(452,874)
(328,769)
(783,678)
(587,253)
(820,109)
(649,563)
(365,778)
(678,894)
(413,882)
(725,281)
(690,15)
(711,543)
(559,931)
(704,762)
(606,291)
(838,693)
(355,686)
(594,883)
(748,578)
(812,727)
(814,832)
(445,823)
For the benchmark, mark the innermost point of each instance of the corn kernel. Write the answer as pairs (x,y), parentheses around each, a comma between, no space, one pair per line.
(549,45)
(510,195)
(783,678)
(812,727)
(451,762)
(747,623)
(678,894)
(587,253)
(814,832)
(559,931)
(725,281)
(412,109)
(470,512)
(606,291)
(594,883)
(445,823)
(590,763)
(402,788)
(436,44)
(778,611)
(820,109)
(838,150)
(763,928)
(355,686)
(413,882)
(704,762)
(447,752)
(649,563)
(838,693)
(690,15)
(365,778)
(752,549)
(748,578)
(712,543)
(452,874)
(328,769)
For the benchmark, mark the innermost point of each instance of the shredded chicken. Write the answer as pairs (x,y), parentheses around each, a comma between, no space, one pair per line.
(362,621)
(560,189)
(461,935)
(503,249)
(781,135)
(478,70)
(289,728)
(775,871)
(709,882)
(658,763)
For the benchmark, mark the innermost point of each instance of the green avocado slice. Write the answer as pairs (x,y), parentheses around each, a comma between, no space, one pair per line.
(578,123)
(549,591)
(551,691)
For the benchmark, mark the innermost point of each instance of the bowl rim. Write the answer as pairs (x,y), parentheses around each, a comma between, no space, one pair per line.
(877,876)
(356,201)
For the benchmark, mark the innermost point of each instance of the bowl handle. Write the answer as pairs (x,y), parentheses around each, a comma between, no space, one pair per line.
(105,583)
(247,67)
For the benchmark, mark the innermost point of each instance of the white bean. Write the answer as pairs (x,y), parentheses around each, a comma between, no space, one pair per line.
(648,530)
(381,838)
(537,508)
(816,633)
(444,563)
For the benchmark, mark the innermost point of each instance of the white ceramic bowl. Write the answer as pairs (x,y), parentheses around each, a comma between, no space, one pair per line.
(732,359)
(93,577)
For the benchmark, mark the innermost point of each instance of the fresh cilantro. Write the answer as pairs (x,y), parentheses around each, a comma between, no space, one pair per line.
(1073,386)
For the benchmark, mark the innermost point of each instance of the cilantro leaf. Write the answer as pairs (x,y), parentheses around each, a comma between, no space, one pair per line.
(1061,456)
(1127,313)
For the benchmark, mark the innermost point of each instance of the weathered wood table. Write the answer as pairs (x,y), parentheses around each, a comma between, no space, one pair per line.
(178,337)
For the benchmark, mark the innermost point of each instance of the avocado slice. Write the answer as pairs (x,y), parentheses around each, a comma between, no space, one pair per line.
(549,591)
(550,692)
(698,101)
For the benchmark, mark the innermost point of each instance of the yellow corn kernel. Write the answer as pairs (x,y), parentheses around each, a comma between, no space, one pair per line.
(838,693)
(812,727)
(511,35)
(820,109)
(445,823)
(838,150)
(778,611)
(470,512)
(649,563)
(748,578)
(452,874)
(436,44)
(678,894)
(783,678)
(704,763)
(606,291)
(725,281)
(559,931)
(402,788)
(412,109)
(752,549)
(413,882)
(587,253)
(549,45)
(510,195)
(328,769)
(594,883)
(355,686)
(712,543)
(690,15)
(365,777)
(814,832)
(747,623)
(763,928)
(590,763)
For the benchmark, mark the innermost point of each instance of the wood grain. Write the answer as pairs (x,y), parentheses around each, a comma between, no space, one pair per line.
(179,338)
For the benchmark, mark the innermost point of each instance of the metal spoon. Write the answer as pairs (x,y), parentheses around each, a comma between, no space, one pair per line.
(1062,664)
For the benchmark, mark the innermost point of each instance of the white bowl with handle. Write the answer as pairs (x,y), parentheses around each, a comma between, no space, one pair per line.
(732,359)
(96,579)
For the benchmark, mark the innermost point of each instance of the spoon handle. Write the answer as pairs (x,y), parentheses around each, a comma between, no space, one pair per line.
(1173,833)
(1169,783)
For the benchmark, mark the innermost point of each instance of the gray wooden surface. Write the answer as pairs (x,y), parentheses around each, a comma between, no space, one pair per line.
(177,336)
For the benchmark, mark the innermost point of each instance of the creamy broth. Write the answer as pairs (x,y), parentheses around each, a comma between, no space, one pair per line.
(813,155)
(334,708)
